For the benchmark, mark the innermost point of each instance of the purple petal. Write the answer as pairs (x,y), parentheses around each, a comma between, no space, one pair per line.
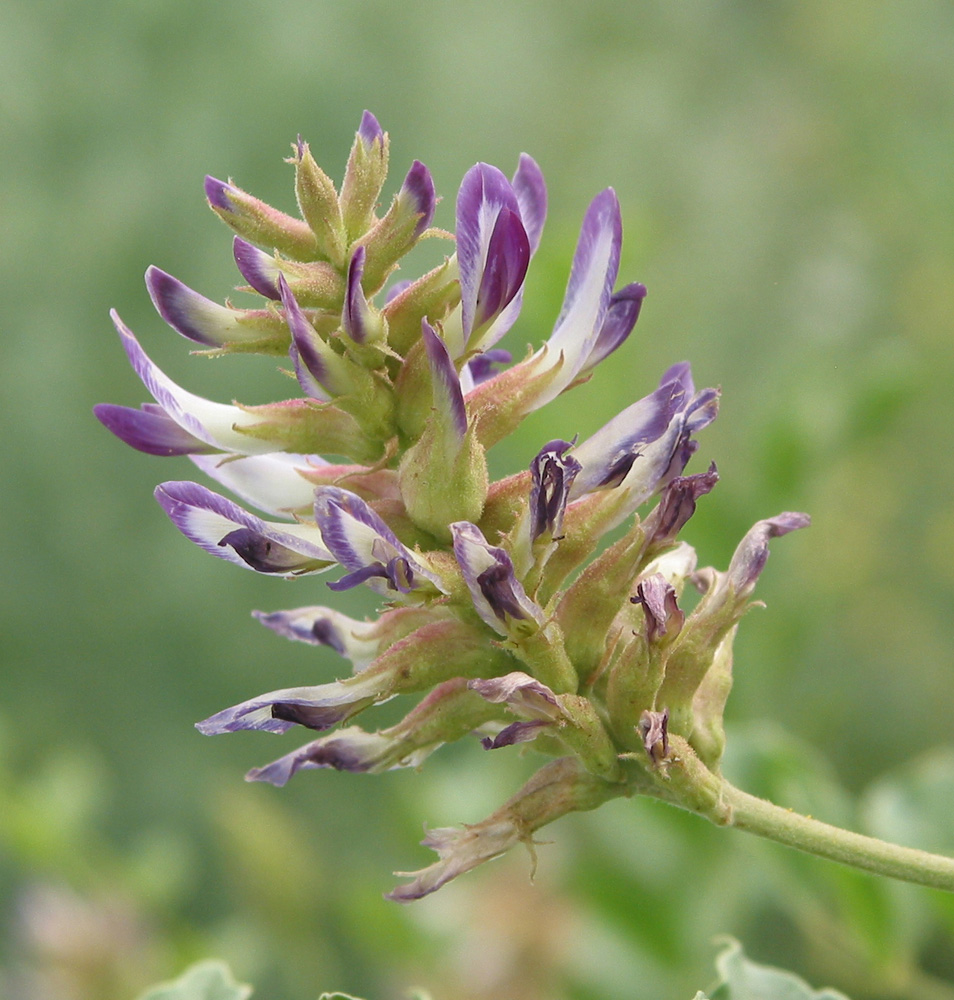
(678,504)
(448,397)
(318,708)
(395,290)
(658,598)
(223,529)
(218,194)
(482,367)
(607,457)
(320,626)
(592,277)
(552,473)
(680,372)
(149,429)
(418,191)
(505,267)
(355,316)
(213,423)
(366,546)
(484,194)
(516,732)
(193,315)
(621,316)
(531,191)
(369,131)
(258,268)
(521,693)
(753,551)
(489,574)
(307,349)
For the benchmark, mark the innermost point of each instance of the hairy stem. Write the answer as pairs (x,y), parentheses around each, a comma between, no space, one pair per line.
(853,849)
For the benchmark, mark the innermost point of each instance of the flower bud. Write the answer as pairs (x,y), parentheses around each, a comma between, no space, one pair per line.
(315,284)
(364,176)
(391,237)
(223,327)
(443,476)
(318,204)
(253,220)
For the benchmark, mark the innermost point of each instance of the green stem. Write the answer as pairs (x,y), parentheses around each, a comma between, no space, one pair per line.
(854,849)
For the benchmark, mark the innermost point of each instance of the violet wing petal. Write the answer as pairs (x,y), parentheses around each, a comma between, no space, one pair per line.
(320,384)
(505,267)
(193,315)
(149,429)
(621,316)
(319,707)
(218,194)
(418,191)
(516,732)
(481,368)
(369,130)
(365,545)
(552,474)
(321,626)
(354,314)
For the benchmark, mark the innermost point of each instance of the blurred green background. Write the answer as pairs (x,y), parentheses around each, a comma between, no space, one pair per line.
(785,173)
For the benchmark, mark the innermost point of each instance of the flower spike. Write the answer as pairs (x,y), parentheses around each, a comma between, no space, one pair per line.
(505,611)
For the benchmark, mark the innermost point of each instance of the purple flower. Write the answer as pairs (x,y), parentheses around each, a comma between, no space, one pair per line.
(501,403)
(319,707)
(359,641)
(552,473)
(223,529)
(320,370)
(678,504)
(448,397)
(522,694)
(366,546)
(752,553)
(658,598)
(488,572)
(215,424)
(494,246)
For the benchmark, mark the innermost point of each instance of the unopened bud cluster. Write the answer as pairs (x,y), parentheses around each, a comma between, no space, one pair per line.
(495,615)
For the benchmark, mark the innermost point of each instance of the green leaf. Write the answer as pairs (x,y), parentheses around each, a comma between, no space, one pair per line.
(745,980)
(209,980)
